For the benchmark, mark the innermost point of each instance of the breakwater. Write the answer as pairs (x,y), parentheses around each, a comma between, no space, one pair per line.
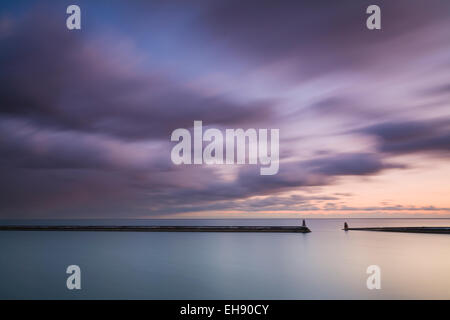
(285,229)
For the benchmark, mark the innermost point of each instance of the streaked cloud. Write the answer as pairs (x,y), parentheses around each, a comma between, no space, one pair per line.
(85,117)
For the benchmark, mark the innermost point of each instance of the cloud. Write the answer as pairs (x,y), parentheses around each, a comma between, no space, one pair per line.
(351,164)
(85,117)
(72,83)
(438,90)
(28,145)
(299,175)
(403,137)
(315,37)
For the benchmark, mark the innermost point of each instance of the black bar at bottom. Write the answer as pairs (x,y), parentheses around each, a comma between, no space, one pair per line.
(275,309)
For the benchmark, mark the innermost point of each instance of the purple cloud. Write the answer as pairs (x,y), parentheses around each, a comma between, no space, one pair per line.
(86,117)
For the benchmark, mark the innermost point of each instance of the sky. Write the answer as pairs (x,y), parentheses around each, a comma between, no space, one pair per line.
(86,115)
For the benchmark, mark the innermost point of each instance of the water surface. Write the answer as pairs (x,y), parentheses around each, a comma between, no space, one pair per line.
(327,263)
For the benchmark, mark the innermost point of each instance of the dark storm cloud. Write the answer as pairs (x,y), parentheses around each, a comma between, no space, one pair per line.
(69,83)
(401,137)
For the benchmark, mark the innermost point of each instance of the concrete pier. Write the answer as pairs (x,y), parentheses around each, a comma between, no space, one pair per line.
(437,230)
(285,229)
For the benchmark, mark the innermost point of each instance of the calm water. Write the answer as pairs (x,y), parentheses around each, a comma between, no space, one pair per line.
(325,264)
